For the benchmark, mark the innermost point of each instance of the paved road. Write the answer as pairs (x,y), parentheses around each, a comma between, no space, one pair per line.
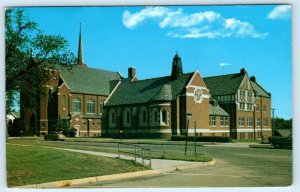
(236,166)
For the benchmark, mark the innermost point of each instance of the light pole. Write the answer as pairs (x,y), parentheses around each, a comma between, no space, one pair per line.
(188,117)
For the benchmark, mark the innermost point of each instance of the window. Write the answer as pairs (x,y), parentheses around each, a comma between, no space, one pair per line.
(90,106)
(212,120)
(249,107)
(249,121)
(265,122)
(242,106)
(112,118)
(224,134)
(258,122)
(242,95)
(127,118)
(76,105)
(101,107)
(143,116)
(257,107)
(164,116)
(155,115)
(64,102)
(224,121)
(241,121)
(264,108)
(250,135)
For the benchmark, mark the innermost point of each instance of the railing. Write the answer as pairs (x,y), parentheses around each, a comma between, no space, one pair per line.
(137,151)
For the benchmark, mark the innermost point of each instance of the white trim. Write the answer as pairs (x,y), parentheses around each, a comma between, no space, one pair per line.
(201,130)
(192,95)
(162,104)
(112,92)
(91,131)
(194,86)
(252,130)
(64,82)
(120,74)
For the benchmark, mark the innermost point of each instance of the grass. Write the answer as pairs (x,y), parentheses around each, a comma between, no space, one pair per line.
(32,165)
(154,154)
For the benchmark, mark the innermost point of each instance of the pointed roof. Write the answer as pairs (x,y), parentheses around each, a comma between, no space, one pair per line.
(80,49)
(149,90)
(258,89)
(224,84)
(88,80)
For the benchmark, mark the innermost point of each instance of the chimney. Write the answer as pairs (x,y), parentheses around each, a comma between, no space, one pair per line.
(131,72)
(243,71)
(253,78)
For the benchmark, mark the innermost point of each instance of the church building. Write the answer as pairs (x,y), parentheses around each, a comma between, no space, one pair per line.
(103,103)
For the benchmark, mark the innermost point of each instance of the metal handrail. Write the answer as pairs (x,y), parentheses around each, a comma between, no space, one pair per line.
(136,152)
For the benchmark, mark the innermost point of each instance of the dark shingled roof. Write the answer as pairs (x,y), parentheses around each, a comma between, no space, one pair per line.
(217,110)
(88,80)
(149,90)
(224,84)
(259,90)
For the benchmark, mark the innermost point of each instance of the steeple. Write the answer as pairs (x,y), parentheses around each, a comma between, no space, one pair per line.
(80,50)
(176,67)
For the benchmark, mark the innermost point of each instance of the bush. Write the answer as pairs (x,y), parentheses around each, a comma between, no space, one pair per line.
(202,138)
(69,132)
(51,137)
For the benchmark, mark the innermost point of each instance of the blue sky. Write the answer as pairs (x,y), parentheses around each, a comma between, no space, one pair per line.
(214,39)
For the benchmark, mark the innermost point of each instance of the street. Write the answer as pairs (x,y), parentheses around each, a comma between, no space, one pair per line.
(235,167)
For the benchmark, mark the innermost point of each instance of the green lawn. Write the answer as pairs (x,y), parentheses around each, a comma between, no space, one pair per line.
(32,165)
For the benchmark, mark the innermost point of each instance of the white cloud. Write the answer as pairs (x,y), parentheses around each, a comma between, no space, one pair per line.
(224,64)
(208,24)
(280,12)
(132,20)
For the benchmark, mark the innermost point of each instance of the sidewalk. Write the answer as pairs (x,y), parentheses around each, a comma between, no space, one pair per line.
(159,166)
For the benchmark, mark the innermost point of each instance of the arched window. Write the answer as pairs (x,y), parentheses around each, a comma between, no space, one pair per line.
(90,106)
(127,117)
(163,116)
(154,116)
(143,116)
(76,105)
(112,118)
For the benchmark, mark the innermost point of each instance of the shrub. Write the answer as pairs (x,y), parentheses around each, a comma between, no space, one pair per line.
(69,132)
(51,137)
(202,138)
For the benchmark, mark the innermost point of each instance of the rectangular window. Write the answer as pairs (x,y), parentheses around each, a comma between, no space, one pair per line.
(265,122)
(242,135)
(249,121)
(226,121)
(242,106)
(257,107)
(212,120)
(101,107)
(222,121)
(264,108)
(64,102)
(257,122)
(241,121)
(249,107)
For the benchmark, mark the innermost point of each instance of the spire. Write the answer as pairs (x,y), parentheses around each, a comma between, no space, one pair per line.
(176,67)
(80,51)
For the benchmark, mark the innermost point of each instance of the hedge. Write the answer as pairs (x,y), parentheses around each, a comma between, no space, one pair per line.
(202,138)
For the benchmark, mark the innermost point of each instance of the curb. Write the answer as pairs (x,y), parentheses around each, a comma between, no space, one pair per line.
(115,177)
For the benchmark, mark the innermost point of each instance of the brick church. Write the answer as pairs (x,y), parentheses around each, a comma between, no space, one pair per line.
(104,103)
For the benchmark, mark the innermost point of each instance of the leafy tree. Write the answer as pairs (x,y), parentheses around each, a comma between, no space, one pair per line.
(280,123)
(30,57)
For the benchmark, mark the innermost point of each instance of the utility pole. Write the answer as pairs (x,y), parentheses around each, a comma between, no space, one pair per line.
(273,111)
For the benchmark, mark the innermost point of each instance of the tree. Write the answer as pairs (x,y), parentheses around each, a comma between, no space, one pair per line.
(30,56)
(280,123)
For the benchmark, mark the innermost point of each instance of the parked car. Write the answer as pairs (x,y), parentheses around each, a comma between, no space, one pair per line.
(54,137)
(282,142)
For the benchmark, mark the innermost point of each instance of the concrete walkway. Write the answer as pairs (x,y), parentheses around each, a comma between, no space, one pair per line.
(158,166)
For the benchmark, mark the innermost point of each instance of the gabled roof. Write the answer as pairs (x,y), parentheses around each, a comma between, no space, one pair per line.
(88,80)
(149,90)
(217,110)
(224,84)
(259,90)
